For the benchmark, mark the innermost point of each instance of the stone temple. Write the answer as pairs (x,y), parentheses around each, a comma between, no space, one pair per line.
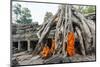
(24,36)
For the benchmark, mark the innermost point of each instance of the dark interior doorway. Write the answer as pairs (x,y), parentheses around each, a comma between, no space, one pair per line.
(14,47)
(15,44)
(23,45)
(33,44)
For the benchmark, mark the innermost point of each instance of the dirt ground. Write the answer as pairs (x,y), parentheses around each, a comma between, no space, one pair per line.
(24,58)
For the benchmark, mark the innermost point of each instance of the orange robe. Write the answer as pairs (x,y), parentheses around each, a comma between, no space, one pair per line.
(70,44)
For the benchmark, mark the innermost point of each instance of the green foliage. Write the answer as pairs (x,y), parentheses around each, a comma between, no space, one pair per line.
(23,15)
(47,16)
(87,9)
(17,9)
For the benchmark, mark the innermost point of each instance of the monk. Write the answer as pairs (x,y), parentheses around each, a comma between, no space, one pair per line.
(70,44)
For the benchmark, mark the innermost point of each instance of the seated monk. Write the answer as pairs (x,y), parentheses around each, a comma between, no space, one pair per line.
(45,52)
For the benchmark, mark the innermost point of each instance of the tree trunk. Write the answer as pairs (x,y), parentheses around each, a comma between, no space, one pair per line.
(44,32)
(68,19)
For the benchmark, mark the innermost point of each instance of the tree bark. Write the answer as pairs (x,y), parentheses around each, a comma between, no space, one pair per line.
(68,20)
(44,32)
(87,34)
(78,31)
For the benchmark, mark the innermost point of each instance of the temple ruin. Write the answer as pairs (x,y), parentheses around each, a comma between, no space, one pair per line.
(67,33)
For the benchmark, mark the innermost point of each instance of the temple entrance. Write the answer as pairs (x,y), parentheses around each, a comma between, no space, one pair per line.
(23,45)
(33,44)
(15,44)
(14,47)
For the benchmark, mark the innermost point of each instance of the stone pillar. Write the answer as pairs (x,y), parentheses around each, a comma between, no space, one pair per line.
(19,46)
(28,45)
